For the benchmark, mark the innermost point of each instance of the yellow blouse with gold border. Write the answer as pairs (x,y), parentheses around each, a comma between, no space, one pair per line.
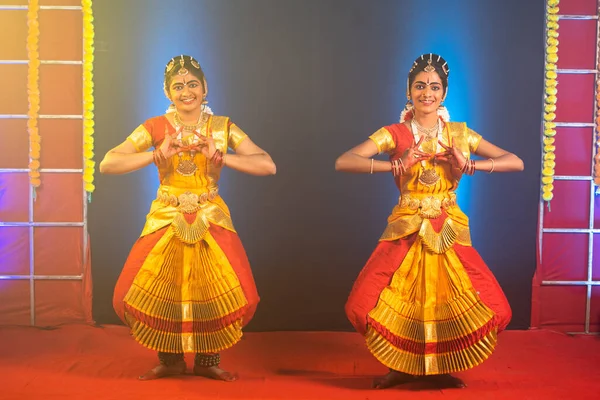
(419,203)
(195,190)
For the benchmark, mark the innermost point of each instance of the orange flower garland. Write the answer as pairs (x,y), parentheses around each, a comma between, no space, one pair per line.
(88,97)
(33,93)
(550,91)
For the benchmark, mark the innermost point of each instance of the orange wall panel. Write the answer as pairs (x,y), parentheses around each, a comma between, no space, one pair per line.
(58,302)
(14,143)
(13,81)
(13,41)
(14,302)
(62,143)
(60,198)
(58,250)
(14,254)
(60,2)
(61,35)
(61,89)
(14,189)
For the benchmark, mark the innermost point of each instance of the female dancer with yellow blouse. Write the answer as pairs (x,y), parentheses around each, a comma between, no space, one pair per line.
(425,301)
(187,286)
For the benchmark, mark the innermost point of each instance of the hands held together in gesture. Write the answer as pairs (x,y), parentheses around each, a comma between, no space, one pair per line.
(172,145)
(451,155)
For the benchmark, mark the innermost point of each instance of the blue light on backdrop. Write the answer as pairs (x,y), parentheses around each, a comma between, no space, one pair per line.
(196,36)
(180,32)
(459,47)
(308,80)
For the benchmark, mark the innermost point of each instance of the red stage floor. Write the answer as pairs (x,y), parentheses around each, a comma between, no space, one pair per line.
(102,363)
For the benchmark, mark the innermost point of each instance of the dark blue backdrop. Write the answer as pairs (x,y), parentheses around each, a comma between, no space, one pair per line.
(307,80)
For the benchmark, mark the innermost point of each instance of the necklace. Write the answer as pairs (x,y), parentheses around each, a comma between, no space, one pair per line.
(428,176)
(187,166)
(187,127)
(428,133)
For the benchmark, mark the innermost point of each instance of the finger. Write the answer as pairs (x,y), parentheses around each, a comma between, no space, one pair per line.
(443,145)
(419,142)
(420,157)
(422,154)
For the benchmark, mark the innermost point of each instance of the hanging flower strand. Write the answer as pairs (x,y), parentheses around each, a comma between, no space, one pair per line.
(88,97)
(550,92)
(33,94)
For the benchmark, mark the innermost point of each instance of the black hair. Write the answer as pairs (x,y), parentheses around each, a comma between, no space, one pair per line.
(178,63)
(437,62)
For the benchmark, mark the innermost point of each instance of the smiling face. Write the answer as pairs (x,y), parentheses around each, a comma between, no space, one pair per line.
(186,92)
(427,92)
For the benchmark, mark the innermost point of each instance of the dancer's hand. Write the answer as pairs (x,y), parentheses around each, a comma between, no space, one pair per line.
(452,155)
(206,145)
(413,155)
(171,145)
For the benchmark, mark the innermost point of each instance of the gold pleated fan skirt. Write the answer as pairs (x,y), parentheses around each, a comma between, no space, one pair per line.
(186,297)
(430,320)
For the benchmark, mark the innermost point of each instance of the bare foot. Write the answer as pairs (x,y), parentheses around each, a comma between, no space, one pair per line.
(215,373)
(446,381)
(392,378)
(162,370)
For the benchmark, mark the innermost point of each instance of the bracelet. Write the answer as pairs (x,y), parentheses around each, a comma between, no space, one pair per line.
(465,166)
(217,158)
(402,165)
(491,169)
(396,169)
(371,171)
(469,167)
(158,156)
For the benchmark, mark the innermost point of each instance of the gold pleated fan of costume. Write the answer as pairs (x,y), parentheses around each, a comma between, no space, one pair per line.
(429,320)
(186,297)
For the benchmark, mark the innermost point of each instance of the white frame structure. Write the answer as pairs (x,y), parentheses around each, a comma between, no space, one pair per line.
(590,231)
(32,276)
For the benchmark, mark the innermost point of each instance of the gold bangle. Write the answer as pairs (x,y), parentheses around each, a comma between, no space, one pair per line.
(491,169)
(371,166)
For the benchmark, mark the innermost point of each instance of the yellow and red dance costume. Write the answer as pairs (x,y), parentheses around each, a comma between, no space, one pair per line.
(425,301)
(187,286)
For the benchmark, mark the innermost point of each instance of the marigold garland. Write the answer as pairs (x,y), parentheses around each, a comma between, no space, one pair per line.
(88,97)
(33,93)
(550,91)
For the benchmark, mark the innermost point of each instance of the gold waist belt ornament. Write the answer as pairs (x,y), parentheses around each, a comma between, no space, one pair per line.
(187,202)
(429,207)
